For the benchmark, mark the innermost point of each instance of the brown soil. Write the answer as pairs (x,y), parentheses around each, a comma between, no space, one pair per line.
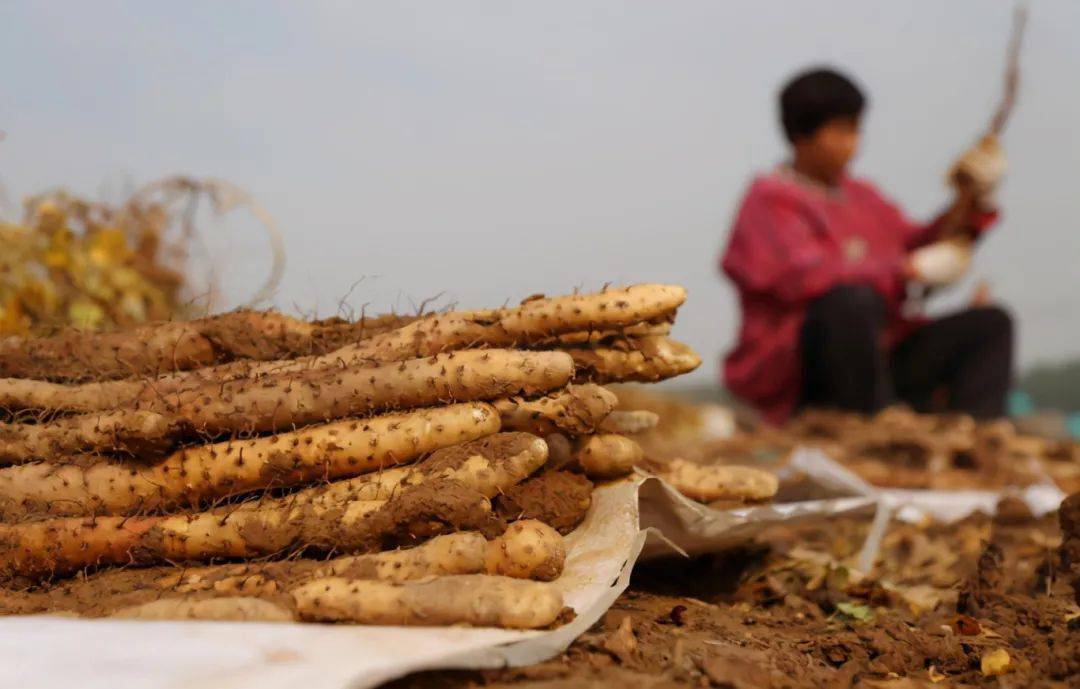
(493,447)
(558,498)
(429,509)
(786,612)
(1069,517)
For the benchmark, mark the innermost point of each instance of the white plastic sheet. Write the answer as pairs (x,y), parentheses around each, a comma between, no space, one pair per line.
(60,653)
(917,505)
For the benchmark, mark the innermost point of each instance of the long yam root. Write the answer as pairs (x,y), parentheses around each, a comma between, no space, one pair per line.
(607,455)
(125,433)
(518,552)
(474,599)
(534,322)
(196,475)
(155,349)
(456,553)
(577,410)
(710,483)
(235,609)
(42,549)
(646,360)
(528,549)
(491,466)
(629,422)
(282,401)
(77,355)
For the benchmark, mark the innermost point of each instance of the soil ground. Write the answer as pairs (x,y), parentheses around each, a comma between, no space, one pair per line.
(982,602)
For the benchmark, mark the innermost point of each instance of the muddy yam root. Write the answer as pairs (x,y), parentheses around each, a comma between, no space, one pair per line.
(76,355)
(577,410)
(644,360)
(140,434)
(195,475)
(491,465)
(155,349)
(558,498)
(478,600)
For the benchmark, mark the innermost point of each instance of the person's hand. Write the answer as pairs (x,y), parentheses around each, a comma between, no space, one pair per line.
(980,170)
(940,263)
(982,296)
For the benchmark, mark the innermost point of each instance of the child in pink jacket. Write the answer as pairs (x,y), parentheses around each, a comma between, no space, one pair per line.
(822,262)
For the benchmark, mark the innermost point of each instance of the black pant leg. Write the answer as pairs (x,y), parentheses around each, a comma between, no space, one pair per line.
(968,353)
(844,363)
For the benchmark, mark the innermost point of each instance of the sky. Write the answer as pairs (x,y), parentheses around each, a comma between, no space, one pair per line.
(487,151)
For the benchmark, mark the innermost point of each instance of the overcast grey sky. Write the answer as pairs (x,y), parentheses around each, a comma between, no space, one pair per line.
(497,149)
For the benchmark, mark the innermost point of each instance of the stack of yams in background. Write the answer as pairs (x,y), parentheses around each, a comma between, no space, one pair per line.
(253,466)
(895,448)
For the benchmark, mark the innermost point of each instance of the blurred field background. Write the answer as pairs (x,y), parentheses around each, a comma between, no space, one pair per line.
(514,148)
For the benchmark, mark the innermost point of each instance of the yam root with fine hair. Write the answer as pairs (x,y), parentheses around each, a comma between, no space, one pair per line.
(282,401)
(232,609)
(577,410)
(54,547)
(607,455)
(558,498)
(198,474)
(333,333)
(474,599)
(490,465)
(537,319)
(629,422)
(708,483)
(76,355)
(142,434)
(643,360)
(533,322)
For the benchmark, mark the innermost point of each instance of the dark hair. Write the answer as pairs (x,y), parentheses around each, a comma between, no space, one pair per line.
(814,97)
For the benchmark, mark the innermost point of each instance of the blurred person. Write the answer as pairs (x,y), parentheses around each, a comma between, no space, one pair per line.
(822,262)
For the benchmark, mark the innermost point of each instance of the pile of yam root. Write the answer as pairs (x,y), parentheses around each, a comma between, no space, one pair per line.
(385,471)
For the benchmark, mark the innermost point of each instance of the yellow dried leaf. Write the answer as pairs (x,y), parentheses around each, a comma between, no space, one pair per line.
(109,246)
(85,314)
(995,662)
(56,258)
